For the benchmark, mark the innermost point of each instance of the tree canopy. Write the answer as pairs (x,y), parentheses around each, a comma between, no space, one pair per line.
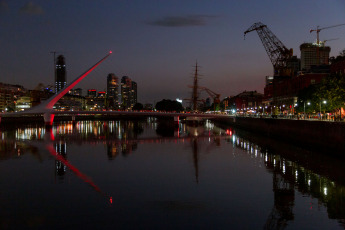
(329,95)
(138,106)
(169,105)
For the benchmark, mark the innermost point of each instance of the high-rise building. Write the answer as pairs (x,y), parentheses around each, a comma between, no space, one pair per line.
(126,87)
(60,80)
(129,92)
(134,93)
(112,91)
(313,55)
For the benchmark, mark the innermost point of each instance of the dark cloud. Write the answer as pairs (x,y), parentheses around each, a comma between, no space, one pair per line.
(192,20)
(3,5)
(31,9)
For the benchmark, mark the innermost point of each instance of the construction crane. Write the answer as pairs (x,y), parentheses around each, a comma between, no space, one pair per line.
(215,96)
(277,52)
(322,43)
(317,30)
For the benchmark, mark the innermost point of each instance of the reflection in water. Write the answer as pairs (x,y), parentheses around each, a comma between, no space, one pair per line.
(124,137)
(61,151)
(66,164)
(289,176)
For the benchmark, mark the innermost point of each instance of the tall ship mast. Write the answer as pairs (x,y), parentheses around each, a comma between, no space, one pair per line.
(195,94)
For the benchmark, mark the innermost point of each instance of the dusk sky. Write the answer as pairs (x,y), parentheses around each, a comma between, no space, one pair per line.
(156,43)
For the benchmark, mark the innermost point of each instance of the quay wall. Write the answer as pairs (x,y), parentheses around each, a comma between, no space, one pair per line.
(320,135)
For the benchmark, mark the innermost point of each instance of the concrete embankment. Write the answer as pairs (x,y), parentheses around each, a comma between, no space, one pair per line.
(320,135)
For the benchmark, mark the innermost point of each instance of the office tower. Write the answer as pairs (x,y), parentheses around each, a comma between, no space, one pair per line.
(60,80)
(313,55)
(134,95)
(112,91)
(126,87)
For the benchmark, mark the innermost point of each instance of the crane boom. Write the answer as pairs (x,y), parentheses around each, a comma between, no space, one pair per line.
(277,52)
(317,30)
(215,96)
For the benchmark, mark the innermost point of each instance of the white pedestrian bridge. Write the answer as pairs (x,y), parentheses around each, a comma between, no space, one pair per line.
(46,110)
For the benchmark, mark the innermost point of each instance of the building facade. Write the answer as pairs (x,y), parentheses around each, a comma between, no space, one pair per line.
(134,93)
(76,92)
(245,102)
(60,71)
(338,66)
(9,94)
(91,93)
(313,55)
(112,91)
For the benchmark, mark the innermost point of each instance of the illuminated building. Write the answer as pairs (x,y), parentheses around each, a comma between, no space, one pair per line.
(246,101)
(134,96)
(76,92)
(112,91)
(9,94)
(101,94)
(92,93)
(126,86)
(60,81)
(23,103)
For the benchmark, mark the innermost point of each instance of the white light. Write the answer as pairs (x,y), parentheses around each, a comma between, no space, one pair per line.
(179,100)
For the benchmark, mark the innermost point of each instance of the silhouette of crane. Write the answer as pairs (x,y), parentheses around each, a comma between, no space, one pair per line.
(215,96)
(276,50)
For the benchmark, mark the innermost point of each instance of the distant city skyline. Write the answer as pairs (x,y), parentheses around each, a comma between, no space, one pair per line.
(157,44)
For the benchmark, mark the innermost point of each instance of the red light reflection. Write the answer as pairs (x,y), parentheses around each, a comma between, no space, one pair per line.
(76,171)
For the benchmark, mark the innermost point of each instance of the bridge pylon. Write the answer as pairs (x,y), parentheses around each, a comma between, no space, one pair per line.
(46,107)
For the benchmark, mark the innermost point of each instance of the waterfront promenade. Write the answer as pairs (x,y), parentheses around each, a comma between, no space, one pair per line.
(322,135)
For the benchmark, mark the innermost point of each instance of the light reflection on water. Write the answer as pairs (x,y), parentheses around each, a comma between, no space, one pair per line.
(152,168)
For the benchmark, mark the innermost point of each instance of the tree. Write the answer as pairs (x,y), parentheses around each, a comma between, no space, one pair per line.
(138,106)
(169,105)
(331,89)
(305,96)
(342,53)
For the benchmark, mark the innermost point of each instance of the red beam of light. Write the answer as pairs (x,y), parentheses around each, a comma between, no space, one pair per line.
(76,171)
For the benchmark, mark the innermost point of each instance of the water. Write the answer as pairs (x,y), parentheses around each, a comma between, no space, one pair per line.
(148,175)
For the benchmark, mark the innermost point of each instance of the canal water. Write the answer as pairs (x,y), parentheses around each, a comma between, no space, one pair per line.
(147,174)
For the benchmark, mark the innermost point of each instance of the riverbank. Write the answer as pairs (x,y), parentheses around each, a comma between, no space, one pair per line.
(311,134)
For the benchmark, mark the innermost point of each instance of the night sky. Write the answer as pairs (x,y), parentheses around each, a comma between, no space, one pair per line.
(156,43)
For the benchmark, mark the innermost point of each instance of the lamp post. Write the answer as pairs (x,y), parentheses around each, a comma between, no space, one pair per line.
(308,103)
(320,108)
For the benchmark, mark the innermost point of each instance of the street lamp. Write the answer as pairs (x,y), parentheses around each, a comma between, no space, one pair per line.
(308,103)
(325,102)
